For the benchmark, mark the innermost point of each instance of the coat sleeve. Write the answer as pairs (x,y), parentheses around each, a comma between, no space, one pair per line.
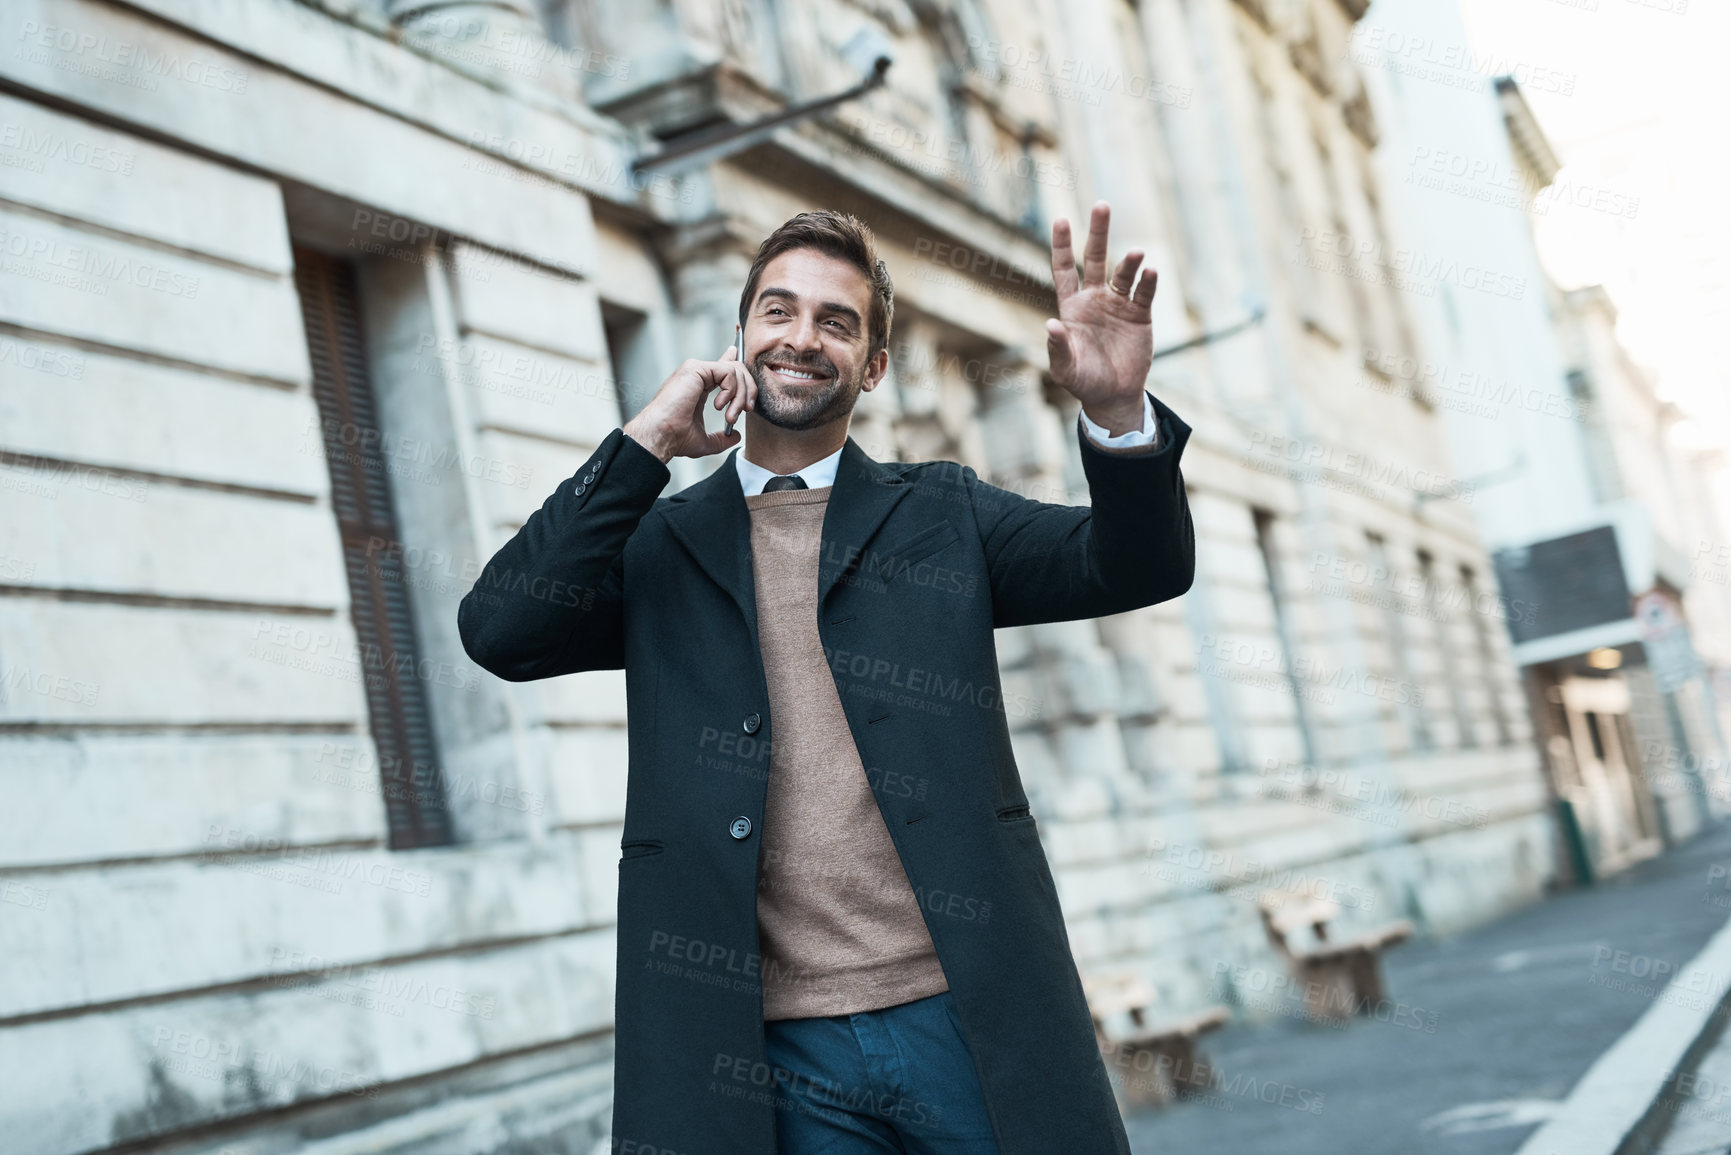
(552,600)
(1133,546)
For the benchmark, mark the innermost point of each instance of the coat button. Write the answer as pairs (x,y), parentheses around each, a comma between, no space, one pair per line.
(752,723)
(741,827)
(581,489)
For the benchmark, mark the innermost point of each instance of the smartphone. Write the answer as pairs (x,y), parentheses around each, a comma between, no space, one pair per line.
(741,357)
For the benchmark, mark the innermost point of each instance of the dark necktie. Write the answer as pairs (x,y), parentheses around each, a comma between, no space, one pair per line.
(784,481)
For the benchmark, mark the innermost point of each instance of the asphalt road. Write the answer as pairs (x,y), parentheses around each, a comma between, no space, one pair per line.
(1522,1006)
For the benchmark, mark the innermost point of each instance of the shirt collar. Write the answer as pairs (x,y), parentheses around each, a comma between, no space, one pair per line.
(817,475)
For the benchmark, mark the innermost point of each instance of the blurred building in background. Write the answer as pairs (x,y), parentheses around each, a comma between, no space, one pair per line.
(305,306)
(1596,510)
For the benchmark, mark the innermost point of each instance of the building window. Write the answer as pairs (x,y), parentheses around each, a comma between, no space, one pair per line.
(631,357)
(1487,661)
(1364,312)
(358,457)
(1437,611)
(1264,521)
(1409,698)
(1307,290)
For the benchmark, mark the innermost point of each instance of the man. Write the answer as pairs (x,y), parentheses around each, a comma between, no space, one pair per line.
(837,928)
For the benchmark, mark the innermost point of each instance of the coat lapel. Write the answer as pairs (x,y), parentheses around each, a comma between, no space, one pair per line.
(711,521)
(865,492)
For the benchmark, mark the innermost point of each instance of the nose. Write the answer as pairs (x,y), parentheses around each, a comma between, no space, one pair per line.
(804,336)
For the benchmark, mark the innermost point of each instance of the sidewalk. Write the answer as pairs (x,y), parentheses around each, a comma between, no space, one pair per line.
(1701,1110)
(1523,1008)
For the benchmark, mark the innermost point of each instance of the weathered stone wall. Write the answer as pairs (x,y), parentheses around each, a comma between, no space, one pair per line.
(206,941)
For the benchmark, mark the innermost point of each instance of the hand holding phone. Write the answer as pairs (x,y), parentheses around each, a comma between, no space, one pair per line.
(671,425)
(733,352)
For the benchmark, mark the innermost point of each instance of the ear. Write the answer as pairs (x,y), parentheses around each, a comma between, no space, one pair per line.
(875,370)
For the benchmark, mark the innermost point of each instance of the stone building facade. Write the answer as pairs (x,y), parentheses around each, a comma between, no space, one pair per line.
(1598,513)
(304,306)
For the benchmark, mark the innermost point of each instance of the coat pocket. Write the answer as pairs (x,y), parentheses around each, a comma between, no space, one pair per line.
(640,848)
(1015,813)
(895,559)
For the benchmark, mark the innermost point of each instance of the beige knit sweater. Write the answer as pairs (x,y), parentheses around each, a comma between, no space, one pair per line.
(839,925)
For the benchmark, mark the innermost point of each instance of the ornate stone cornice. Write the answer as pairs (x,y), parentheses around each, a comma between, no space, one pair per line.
(1530,143)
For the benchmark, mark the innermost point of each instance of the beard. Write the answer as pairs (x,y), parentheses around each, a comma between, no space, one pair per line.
(802,408)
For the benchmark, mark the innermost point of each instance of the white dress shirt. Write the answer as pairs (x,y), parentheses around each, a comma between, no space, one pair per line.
(1143,436)
(753,477)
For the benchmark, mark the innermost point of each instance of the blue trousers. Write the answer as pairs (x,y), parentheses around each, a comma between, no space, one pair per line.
(898,1079)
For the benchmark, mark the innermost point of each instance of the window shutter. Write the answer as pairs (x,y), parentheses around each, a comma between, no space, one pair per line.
(359,460)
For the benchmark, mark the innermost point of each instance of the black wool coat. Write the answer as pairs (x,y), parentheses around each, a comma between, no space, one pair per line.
(920,563)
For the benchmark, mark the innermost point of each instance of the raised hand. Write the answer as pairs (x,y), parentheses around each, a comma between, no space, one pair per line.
(671,425)
(1101,345)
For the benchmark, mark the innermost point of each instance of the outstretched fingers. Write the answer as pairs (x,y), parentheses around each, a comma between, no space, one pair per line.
(1059,355)
(1144,294)
(1124,276)
(1064,277)
(1094,252)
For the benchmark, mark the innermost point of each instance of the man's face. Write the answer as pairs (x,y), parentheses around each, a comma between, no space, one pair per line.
(805,340)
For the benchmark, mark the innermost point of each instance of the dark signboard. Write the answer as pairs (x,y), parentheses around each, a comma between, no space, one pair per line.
(1566,583)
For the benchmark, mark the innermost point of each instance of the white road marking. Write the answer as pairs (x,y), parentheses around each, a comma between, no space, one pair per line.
(1492,1116)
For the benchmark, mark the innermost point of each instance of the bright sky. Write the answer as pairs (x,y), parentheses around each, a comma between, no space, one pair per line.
(1647,118)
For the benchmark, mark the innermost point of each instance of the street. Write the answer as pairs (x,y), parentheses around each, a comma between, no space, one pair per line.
(1523,1007)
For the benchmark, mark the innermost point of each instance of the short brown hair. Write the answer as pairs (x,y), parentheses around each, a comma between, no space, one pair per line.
(839,235)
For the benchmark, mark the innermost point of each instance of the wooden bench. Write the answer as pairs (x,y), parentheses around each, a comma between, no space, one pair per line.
(1148,1064)
(1339,977)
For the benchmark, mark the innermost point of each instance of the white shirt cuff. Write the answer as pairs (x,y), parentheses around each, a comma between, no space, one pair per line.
(1146,435)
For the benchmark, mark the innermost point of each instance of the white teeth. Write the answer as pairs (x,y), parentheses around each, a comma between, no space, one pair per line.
(799,373)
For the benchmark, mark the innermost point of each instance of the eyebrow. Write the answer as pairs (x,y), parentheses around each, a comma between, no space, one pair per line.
(848,311)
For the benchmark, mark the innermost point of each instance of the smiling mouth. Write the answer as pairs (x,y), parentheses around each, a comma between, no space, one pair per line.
(797,376)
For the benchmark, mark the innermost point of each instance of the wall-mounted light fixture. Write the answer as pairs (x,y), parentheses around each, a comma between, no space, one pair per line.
(868,51)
